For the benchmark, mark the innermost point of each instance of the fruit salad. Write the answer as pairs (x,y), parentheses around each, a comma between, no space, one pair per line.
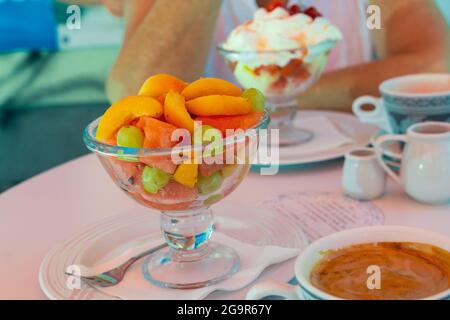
(280,49)
(166,115)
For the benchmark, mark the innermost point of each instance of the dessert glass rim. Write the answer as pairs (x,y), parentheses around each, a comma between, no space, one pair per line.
(331,44)
(111,150)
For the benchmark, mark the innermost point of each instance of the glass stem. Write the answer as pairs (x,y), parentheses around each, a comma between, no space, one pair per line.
(188,233)
(282,115)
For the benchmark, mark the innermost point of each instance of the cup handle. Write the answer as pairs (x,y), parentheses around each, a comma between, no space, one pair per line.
(272,288)
(377,116)
(380,150)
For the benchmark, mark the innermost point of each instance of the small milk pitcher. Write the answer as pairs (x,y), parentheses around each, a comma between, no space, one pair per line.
(362,176)
(425,162)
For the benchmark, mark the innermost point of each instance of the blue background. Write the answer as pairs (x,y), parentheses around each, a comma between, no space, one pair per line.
(27,25)
(444,5)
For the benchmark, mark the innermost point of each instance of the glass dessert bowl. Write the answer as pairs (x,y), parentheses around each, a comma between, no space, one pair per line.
(281,51)
(293,72)
(150,176)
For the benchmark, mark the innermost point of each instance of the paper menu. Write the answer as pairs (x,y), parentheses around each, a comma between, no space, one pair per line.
(321,214)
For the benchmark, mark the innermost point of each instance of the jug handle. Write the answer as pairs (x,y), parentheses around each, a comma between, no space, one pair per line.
(379,147)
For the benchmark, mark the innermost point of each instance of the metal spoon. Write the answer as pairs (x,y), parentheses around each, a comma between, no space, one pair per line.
(115,276)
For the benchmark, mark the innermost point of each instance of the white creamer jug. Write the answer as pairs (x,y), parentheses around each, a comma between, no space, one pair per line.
(425,162)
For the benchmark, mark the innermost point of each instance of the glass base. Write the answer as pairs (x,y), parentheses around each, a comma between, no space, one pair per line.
(282,118)
(294,136)
(168,268)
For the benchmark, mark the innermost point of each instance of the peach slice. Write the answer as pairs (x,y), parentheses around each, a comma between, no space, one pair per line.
(210,86)
(175,111)
(223,123)
(219,105)
(124,111)
(160,84)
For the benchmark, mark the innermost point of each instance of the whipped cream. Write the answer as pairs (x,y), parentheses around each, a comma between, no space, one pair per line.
(278,30)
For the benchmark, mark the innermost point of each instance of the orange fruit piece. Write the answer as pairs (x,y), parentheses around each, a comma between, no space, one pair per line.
(175,111)
(219,105)
(158,134)
(160,84)
(210,86)
(124,111)
(186,174)
(223,123)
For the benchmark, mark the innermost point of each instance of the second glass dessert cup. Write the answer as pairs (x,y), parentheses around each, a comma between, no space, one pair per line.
(191,260)
(281,75)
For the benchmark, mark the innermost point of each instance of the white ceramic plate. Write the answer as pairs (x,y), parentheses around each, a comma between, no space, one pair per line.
(252,224)
(348,124)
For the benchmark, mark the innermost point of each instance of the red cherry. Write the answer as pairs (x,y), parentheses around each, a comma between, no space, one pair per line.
(312,12)
(274,4)
(294,9)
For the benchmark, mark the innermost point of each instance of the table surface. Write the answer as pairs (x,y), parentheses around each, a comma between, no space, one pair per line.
(49,208)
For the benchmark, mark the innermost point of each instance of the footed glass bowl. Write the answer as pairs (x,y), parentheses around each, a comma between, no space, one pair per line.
(281,75)
(150,177)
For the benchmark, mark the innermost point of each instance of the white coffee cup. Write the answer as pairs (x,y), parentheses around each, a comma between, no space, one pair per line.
(402,106)
(313,253)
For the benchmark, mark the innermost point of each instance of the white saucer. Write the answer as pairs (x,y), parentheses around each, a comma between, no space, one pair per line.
(347,123)
(252,224)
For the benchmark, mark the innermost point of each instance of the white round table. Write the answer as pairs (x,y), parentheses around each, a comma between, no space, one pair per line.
(49,208)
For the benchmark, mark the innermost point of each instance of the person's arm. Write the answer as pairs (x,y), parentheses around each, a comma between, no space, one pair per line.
(162,36)
(414,38)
